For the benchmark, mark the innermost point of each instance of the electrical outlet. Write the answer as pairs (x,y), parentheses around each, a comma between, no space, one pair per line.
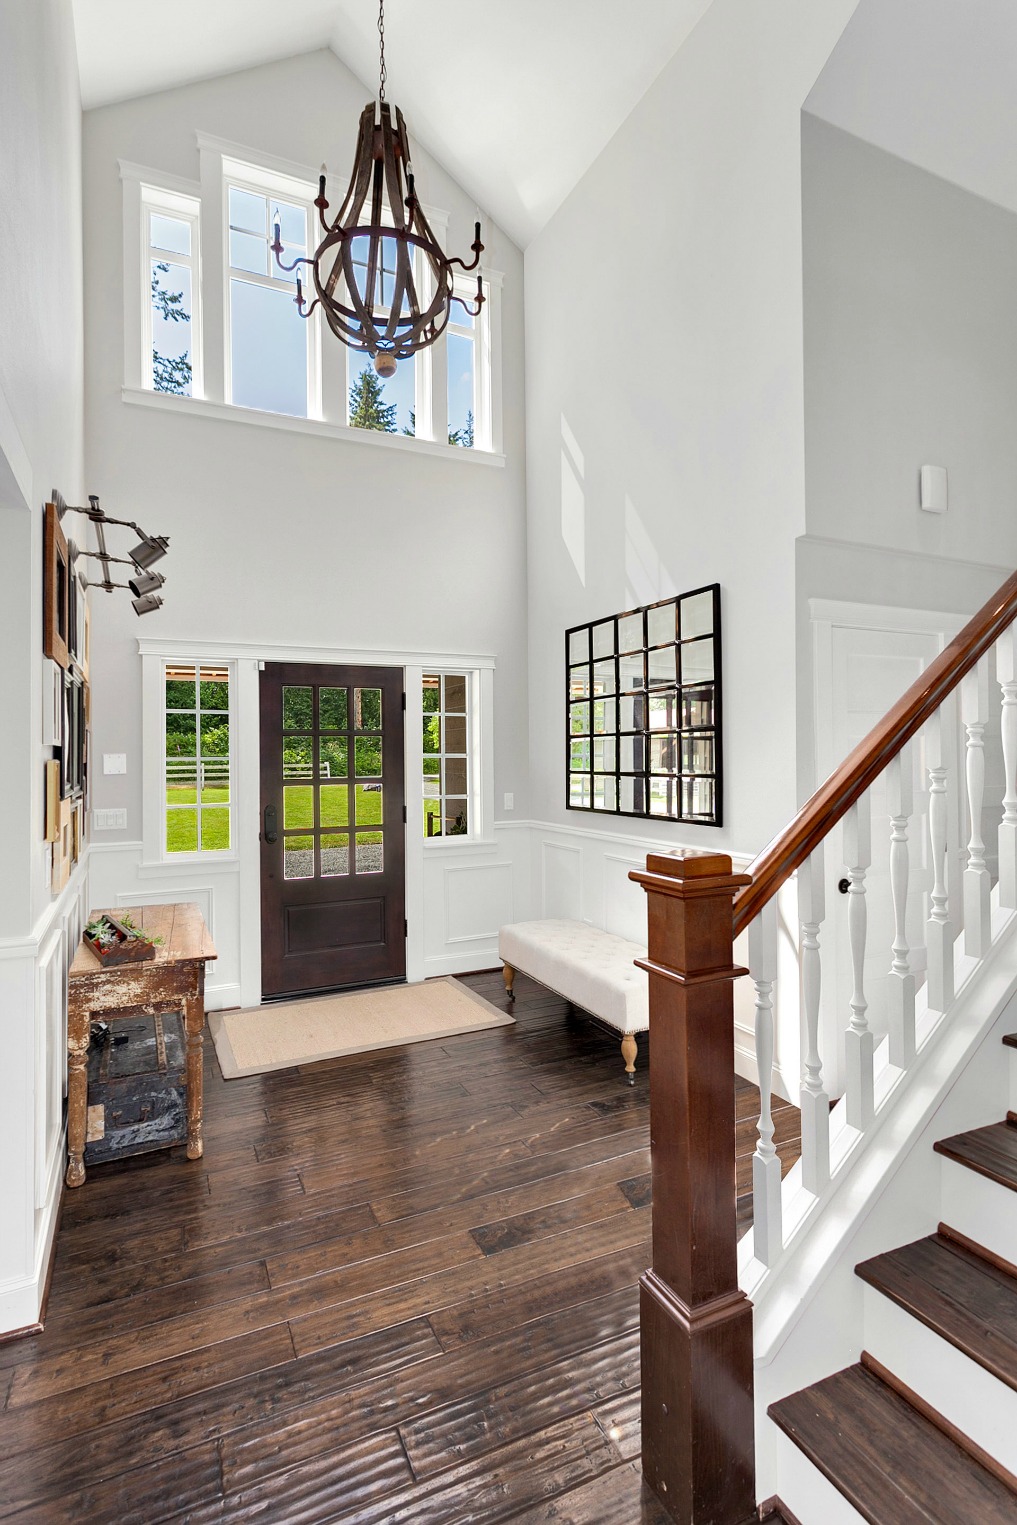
(510,802)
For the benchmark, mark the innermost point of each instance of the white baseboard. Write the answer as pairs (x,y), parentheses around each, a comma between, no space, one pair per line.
(222,997)
(485,957)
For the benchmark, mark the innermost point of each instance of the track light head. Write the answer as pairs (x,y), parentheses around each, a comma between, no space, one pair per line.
(148,550)
(145,582)
(146,604)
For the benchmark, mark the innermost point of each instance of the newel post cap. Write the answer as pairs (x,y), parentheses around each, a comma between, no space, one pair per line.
(694,868)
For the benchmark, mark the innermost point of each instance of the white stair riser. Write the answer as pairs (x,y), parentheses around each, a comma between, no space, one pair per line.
(982,1407)
(809,1495)
(982,1209)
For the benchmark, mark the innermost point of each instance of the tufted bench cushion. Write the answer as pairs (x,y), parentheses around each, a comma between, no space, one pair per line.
(592,968)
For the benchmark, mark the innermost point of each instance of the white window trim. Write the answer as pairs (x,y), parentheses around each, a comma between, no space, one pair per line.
(479,828)
(250,177)
(145,191)
(153,770)
(267,173)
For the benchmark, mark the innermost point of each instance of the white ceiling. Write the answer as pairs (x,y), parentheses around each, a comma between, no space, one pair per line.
(934,82)
(515,98)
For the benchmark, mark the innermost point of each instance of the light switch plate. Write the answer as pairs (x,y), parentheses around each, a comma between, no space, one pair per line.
(109,820)
(934,490)
(114,762)
(510,802)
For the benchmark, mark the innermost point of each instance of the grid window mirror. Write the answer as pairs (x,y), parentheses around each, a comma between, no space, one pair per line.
(197,758)
(643,711)
(446,755)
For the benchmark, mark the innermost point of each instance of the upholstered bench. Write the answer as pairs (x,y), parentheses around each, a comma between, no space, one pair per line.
(593,969)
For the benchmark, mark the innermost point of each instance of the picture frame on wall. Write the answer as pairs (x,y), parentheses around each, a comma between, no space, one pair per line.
(52,704)
(56,578)
(52,800)
(62,850)
(74,734)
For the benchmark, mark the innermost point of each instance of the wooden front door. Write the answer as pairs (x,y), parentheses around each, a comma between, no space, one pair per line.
(332,827)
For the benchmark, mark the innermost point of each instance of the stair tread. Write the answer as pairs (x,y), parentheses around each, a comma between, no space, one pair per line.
(965,1299)
(992,1151)
(890,1462)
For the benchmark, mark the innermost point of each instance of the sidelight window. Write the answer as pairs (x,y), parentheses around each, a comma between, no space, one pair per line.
(446,754)
(198,796)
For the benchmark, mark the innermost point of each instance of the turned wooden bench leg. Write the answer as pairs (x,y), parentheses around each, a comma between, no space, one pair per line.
(629,1050)
(508,974)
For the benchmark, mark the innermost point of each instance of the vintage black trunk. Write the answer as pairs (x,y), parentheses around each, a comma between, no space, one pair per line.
(137,1091)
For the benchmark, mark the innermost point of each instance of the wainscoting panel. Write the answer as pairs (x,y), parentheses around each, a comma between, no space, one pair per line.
(561,881)
(478,900)
(50,1057)
(624,902)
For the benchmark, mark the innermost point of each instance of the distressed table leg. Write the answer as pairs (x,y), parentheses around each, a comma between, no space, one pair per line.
(77,1095)
(194,1012)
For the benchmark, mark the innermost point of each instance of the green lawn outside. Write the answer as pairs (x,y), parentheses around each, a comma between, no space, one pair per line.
(182,826)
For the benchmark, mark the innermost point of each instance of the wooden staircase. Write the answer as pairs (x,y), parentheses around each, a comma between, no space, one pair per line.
(923,1430)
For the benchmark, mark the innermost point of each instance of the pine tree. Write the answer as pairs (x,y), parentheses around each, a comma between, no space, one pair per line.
(367,411)
(170,373)
(463,436)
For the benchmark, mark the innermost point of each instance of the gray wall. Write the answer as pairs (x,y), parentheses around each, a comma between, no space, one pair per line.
(910,353)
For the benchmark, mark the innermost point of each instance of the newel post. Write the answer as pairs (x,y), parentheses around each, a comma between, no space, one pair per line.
(695,1322)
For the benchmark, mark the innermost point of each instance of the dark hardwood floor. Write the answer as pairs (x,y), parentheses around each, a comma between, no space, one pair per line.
(399,1287)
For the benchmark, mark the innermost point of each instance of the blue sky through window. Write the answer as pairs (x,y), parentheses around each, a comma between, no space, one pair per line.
(460,381)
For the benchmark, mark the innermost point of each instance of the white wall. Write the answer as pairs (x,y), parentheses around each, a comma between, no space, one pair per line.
(910,353)
(40,447)
(278,537)
(665,391)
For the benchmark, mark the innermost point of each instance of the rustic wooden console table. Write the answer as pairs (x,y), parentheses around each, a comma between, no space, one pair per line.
(174,977)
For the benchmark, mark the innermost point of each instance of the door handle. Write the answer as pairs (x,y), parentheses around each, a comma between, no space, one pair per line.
(271,833)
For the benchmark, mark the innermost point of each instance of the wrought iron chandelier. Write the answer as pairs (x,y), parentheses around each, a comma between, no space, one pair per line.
(365,271)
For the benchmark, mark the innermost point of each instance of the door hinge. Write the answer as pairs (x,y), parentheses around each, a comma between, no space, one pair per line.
(405,817)
(406,929)
(404,701)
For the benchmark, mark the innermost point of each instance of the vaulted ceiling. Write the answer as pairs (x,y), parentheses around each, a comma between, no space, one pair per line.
(514,97)
(934,82)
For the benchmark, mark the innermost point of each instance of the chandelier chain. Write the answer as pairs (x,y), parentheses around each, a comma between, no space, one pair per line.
(381,49)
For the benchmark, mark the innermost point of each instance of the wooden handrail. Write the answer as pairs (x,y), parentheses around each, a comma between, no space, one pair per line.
(833,799)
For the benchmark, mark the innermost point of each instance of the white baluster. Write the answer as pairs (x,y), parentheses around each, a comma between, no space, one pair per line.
(815,1104)
(1006,673)
(859,1041)
(900,988)
(939,929)
(975,713)
(767,1232)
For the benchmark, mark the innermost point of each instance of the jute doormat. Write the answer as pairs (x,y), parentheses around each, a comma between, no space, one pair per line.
(279,1036)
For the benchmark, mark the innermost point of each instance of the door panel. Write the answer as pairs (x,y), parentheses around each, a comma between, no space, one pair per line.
(333,835)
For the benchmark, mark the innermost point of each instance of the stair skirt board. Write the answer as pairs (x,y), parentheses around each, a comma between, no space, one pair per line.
(807,1493)
(979,1208)
(978,1404)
